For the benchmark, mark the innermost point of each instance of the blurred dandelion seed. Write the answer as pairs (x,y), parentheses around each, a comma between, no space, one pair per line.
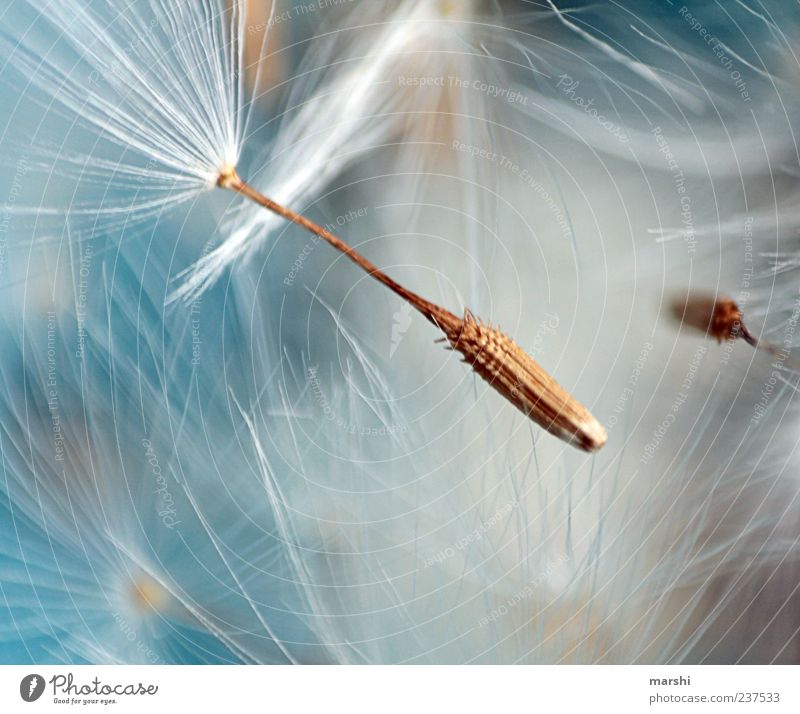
(148,594)
(494,356)
(721,319)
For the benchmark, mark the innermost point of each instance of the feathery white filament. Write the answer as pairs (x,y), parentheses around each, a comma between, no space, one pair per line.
(355,108)
(159,84)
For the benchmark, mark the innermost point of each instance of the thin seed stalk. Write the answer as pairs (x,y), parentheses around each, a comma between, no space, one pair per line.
(493,355)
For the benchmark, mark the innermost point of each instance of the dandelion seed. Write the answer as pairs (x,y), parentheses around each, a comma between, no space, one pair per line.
(720,318)
(494,356)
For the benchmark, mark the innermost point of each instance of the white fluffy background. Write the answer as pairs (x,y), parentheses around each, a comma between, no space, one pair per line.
(347,491)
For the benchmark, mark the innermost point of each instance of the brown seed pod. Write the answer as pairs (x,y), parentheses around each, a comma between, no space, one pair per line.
(518,377)
(719,318)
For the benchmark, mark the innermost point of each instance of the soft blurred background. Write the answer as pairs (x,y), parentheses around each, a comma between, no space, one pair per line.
(286,468)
